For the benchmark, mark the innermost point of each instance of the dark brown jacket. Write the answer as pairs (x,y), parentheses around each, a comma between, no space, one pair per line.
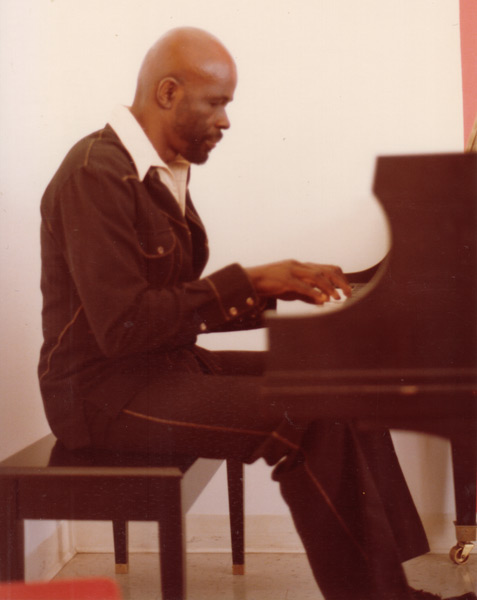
(122,294)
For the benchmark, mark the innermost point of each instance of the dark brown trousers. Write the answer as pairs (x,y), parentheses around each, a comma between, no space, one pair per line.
(345,489)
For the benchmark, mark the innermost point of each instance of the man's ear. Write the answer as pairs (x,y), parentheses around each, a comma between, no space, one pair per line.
(167,91)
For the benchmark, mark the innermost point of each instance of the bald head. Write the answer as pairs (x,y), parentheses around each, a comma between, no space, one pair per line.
(187,73)
(186,54)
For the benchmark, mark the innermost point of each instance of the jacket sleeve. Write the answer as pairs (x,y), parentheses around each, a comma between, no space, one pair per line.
(93,221)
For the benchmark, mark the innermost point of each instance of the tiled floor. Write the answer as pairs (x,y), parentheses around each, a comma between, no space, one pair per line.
(268,576)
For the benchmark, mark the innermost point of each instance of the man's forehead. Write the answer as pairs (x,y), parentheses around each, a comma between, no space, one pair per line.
(214,78)
(215,71)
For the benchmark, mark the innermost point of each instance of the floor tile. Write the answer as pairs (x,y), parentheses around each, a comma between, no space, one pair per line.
(268,576)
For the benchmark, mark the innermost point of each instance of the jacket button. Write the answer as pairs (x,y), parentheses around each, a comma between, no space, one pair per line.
(233,311)
(160,250)
(203,327)
(250,301)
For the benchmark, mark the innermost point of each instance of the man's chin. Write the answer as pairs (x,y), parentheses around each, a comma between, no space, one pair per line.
(198,154)
(197,158)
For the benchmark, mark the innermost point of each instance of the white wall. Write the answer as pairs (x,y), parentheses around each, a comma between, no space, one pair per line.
(324,86)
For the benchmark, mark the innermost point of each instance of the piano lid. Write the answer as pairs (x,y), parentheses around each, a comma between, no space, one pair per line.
(420,311)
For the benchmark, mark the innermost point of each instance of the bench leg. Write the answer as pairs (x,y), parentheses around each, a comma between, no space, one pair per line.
(172,550)
(120,535)
(236,511)
(12,565)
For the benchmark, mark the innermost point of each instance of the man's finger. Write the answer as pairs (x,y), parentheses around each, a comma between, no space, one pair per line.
(317,277)
(317,296)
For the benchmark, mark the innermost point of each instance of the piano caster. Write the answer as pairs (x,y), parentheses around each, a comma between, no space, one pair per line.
(461,551)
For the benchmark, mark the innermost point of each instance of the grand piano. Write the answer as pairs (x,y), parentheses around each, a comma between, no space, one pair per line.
(402,354)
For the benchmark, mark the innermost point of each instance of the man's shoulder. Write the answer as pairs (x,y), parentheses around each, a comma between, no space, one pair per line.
(101,150)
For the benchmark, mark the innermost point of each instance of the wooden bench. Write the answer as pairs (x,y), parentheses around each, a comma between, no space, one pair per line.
(46,481)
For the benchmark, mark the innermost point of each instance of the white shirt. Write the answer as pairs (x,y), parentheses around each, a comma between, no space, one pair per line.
(173,175)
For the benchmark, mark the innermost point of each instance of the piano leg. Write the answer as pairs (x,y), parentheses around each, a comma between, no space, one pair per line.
(464,463)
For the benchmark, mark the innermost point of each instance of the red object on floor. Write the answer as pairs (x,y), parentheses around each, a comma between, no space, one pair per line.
(69,589)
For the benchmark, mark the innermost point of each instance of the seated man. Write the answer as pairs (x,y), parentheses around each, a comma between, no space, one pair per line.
(123,249)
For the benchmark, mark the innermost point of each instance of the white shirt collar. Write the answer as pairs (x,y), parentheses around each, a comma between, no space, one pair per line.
(144,155)
(135,141)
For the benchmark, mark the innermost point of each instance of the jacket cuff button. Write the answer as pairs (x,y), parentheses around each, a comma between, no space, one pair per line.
(250,301)
(233,311)
(203,327)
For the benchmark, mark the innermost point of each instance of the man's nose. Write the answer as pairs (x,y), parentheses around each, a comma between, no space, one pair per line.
(223,120)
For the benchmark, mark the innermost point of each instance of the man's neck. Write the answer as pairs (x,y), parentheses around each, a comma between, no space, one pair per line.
(155,131)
